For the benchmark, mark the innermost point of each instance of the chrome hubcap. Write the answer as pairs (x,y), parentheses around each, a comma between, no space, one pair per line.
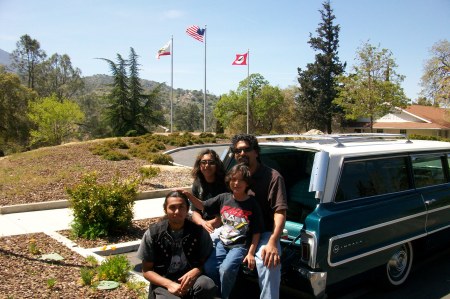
(398,263)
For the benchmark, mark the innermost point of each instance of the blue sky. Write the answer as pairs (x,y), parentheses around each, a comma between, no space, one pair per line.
(275,32)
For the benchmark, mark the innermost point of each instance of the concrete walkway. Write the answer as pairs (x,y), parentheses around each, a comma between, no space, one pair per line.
(59,219)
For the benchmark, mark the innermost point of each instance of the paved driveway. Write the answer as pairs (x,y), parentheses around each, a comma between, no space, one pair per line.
(186,155)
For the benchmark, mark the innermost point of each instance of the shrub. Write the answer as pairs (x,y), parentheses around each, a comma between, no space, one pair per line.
(424,137)
(162,159)
(107,150)
(51,282)
(118,143)
(101,209)
(206,135)
(33,248)
(142,150)
(149,172)
(131,133)
(139,287)
(222,136)
(99,149)
(87,275)
(114,268)
(113,155)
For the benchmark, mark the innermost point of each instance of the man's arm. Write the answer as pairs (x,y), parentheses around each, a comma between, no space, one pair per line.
(209,225)
(194,200)
(155,278)
(270,254)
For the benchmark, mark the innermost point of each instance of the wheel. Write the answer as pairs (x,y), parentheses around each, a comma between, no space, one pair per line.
(398,267)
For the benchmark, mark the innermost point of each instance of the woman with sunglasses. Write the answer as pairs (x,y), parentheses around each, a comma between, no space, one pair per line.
(209,180)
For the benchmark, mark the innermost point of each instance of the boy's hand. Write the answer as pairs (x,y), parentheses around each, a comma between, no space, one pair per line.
(207,225)
(250,260)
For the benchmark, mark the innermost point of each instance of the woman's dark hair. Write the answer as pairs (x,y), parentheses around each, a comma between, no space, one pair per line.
(175,194)
(220,170)
(243,170)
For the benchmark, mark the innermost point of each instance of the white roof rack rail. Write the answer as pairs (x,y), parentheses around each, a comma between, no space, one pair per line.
(340,138)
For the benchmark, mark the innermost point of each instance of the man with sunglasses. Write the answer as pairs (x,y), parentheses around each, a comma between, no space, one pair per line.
(270,193)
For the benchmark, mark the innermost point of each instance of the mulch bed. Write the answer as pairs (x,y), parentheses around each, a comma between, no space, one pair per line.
(24,275)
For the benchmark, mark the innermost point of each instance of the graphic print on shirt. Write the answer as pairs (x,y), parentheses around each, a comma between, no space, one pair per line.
(235,225)
(178,261)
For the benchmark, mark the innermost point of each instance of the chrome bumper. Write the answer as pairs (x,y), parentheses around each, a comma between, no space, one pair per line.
(316,280)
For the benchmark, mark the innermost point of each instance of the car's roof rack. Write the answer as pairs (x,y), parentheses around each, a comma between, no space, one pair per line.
(340,138)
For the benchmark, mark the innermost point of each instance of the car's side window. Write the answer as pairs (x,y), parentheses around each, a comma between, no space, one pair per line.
(428,170)
(372,177)
(448,167)
(295,166)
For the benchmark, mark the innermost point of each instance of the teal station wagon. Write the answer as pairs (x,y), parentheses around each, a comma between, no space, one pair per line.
(358,202)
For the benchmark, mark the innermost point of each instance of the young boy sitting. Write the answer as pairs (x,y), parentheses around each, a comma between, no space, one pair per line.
(242,224)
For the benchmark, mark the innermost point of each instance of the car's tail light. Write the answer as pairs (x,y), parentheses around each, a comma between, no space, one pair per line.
(306,252)
(309,247)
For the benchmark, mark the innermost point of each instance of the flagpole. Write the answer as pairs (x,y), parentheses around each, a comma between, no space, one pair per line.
(248,84)
(171,87)
(204,93)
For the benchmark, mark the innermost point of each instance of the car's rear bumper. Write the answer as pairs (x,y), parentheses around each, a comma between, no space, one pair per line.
(313,281)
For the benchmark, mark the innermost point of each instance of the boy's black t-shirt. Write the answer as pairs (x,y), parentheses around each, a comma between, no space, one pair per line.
(241,219)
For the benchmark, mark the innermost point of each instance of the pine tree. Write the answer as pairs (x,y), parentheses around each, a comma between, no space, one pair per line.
(318,84)
(26,59)
(131,112)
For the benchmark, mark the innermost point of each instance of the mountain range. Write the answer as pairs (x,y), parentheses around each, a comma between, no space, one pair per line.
(5,58)
(101,83)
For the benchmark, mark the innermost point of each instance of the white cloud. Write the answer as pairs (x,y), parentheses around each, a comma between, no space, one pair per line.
(172,14)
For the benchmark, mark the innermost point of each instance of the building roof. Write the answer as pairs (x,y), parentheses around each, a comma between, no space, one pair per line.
(418,117)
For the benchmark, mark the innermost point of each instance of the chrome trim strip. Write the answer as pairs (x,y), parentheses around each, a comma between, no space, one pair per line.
(438,229)
(332,239)
(373,251)
(313,248)
(377,226)
(438,209)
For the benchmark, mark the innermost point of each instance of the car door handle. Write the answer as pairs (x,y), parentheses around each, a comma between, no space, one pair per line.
(429,202)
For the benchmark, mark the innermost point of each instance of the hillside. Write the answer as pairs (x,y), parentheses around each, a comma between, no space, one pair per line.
(44,174)
(5,59)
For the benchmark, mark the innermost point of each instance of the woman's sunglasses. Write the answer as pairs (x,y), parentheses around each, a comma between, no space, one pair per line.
(207,162)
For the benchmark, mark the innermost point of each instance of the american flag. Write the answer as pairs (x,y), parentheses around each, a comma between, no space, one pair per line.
(196,32)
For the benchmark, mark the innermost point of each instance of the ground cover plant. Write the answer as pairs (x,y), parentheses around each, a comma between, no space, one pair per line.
(45,174)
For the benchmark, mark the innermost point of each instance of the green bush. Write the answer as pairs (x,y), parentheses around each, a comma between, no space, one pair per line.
(118,143)
(113,155)
(424,137)
(107,150)
(87,275)
(206,135)
(143,150)
(99,149)
(101,209)
(162,159)
(149,172)
(222,136)
(114,268)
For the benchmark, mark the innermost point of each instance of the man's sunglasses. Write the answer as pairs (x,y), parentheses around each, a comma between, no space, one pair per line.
(207,162)
(244,149)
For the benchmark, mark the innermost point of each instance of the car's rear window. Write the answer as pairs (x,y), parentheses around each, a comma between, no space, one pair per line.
(365,178)
(428,170)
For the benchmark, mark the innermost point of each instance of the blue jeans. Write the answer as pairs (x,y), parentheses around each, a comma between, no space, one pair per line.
(223,266)
(269,278)
(203,288)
